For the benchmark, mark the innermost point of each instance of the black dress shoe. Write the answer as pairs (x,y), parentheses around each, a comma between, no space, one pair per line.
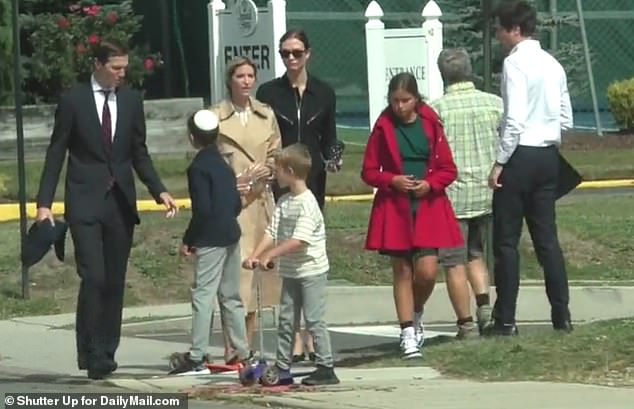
(100,368)
(564,326)
(500,330)
(83,361)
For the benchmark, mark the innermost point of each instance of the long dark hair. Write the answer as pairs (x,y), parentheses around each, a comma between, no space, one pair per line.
(298,34)
(406,82)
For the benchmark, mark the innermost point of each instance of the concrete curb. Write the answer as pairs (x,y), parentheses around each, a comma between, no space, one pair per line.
(11,211)
(365,305)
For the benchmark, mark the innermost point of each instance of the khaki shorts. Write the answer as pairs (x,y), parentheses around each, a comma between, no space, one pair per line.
(473,231)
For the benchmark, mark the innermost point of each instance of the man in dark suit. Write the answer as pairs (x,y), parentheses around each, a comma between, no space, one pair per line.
(102,127)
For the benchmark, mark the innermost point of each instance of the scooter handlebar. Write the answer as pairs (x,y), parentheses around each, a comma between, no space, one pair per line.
(256,264)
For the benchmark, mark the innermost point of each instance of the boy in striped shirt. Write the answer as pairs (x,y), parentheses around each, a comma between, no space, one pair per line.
(296,239)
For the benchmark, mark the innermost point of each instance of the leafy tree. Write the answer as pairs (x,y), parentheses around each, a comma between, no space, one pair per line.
(63,34)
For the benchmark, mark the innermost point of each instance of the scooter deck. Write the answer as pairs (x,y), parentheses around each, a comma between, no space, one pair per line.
(224,368)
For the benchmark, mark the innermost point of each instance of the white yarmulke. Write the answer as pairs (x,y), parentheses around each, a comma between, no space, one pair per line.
(206,120)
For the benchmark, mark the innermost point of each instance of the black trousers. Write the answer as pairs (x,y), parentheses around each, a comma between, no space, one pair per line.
(529,181)
(102,250)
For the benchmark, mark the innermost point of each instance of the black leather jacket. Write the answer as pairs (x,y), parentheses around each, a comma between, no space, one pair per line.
(309,120)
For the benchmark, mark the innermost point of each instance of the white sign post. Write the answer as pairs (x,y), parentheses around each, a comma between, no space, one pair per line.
(247,31)
(391,51)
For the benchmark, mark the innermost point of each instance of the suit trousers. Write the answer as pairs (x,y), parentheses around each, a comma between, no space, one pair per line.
(102,250)
(529,181)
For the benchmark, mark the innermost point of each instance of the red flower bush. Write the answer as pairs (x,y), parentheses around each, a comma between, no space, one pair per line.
(62,45)
(94,40)
(149,64)
(80,49)
(63,23)
(112,18)
(92,11)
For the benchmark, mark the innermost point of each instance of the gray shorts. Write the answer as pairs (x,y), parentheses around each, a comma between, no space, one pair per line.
(473,231)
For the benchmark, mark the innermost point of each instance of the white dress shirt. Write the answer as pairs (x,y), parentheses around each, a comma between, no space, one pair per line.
(536,100)
(99,101)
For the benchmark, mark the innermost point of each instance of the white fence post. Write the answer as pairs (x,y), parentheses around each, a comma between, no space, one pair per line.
(433,36)
(375,58)
(216,88)
(278,8)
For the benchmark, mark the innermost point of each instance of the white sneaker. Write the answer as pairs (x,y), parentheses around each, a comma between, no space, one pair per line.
(419,328)
(409,344)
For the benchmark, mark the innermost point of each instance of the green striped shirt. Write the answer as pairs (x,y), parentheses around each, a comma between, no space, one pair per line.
(471,119)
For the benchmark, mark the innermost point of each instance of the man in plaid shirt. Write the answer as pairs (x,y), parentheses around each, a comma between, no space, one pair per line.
(471,119)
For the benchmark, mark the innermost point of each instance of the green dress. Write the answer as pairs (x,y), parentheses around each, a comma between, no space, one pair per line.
(414,148)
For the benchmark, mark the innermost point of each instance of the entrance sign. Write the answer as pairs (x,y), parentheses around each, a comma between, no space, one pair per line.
(248,31)
(392,51)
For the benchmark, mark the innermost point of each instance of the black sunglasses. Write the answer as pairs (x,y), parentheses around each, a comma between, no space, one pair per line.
(296,53)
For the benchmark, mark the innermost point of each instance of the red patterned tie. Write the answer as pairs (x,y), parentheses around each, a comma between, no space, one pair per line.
(106,123)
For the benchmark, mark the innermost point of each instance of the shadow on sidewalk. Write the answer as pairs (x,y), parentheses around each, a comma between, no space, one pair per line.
(385,353)
(49,379)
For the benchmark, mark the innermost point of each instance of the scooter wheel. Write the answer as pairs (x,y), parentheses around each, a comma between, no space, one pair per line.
(271,376)
(247,375)
(176,359)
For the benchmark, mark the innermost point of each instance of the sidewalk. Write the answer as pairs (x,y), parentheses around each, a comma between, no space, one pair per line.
(441,393)
(356,305)
(37,346)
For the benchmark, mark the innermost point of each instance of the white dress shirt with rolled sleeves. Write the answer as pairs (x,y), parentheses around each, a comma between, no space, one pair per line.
(536,100)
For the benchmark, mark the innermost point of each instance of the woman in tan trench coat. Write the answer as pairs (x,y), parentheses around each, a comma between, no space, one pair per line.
(248,138)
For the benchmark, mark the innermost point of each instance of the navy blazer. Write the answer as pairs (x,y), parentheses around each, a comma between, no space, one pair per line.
(215,201)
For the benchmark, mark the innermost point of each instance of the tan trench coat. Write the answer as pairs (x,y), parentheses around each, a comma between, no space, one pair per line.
(244,146)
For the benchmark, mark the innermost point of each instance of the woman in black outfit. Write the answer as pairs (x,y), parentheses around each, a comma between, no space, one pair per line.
(305,109)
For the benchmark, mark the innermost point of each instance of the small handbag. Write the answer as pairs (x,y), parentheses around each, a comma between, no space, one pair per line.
(335,157)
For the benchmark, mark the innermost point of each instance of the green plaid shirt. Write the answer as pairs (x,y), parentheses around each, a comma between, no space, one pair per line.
(471,119)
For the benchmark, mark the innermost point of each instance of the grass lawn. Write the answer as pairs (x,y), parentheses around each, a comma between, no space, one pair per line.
(597,353)
(594,164)
(597,236)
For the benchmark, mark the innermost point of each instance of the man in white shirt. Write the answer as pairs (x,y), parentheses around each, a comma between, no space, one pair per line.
(525,175)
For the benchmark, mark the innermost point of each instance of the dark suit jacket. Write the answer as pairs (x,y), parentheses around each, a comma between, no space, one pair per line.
(90,169)
(215,201)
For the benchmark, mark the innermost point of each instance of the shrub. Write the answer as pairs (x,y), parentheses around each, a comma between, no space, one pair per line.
(62,45)
(621,101)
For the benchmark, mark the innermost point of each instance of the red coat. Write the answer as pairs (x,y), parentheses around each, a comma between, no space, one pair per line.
(391,226)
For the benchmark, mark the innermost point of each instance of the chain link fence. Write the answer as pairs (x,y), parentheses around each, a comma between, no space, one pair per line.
(336,32)
(609,28)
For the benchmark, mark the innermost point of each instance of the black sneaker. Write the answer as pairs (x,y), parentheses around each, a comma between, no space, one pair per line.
(236,359)
(188,365)
(322,376)
(563,327)
(500,330)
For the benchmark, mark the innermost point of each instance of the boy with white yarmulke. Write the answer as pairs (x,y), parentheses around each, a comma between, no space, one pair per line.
(213,238)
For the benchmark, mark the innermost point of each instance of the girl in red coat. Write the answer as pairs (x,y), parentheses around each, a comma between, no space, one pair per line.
(408,160)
